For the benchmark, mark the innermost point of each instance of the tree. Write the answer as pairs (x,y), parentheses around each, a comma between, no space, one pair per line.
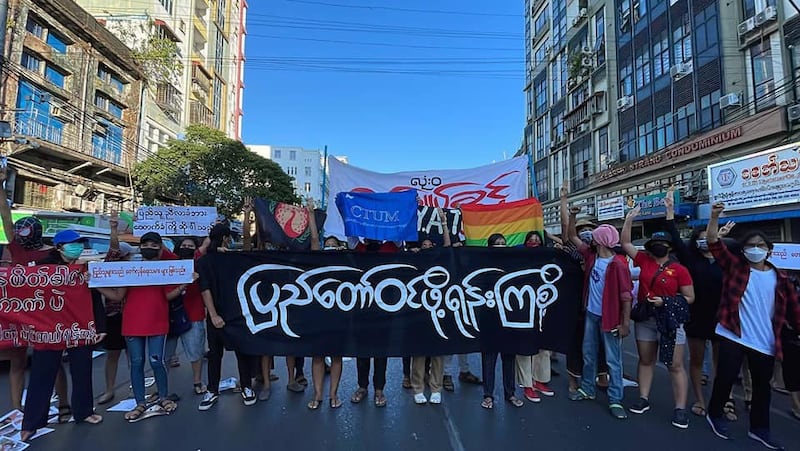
(207,168)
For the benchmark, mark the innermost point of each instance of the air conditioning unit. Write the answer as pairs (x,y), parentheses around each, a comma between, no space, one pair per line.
(624,102)
(587,62)
(747,26)
(794,113)
(729,100)
(587,50)
(60,113)
(680,70)
(767,14)
(583,13)
(582,128)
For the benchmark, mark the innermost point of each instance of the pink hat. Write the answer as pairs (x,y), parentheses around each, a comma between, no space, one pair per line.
(606,236)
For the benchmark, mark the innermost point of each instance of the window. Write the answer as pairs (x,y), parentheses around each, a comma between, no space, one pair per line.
(221,13)
(104,103)
(541,95)
(556,78)
(540,23)
(276,154)
(559,22)
(108,76)
(308,187)
(56,42)
(645,138)
(557,127)
(664,133)
(542,143)
(541,55)
(685,122)
(31,62)
(564,74)
(706,34)
(308,171)
(167,4)
(55,76)
(34,118)
(115,109)
(763,78)
(34,27)
(661,63)
(796,68)
(682,40)
(643,68)
(639,9)
(581,166)
(38,195)
(107,145)
(540,170)
(627,145)
(710,115)
(600,37)
(753,7)
(217,102)
(602,147)
(626,80)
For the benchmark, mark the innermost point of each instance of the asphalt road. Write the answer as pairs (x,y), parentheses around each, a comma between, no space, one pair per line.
(457,424)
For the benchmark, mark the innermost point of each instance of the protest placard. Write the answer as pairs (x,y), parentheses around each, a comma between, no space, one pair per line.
(174,221)
(142,273)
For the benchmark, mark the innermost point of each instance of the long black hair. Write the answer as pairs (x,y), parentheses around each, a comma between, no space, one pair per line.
(494,238)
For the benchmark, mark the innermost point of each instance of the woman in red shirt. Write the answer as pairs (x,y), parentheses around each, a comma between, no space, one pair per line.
(664,283)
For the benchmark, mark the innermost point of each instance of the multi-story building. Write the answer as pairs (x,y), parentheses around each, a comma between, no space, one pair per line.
(692,83)
(306,166)
(210,37)
(71,92)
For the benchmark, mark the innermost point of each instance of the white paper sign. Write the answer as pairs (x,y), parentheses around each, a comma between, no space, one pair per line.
(611,208)
(765,179)
(786,256)
(174,221)
(138,274)
(506,181)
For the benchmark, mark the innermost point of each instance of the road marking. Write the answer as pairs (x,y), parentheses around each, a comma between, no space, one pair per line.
(452,432)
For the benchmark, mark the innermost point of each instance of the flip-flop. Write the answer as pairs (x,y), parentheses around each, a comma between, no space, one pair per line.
(698,409)
(335,403)
(730,410)
(64,414)
(516,402)
(314,404)
(199,388)
(93,419)
(359,395)
(105,398)
(380,400)
(487,403)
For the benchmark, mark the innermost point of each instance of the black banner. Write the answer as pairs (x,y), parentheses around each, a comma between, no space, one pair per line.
(435,302)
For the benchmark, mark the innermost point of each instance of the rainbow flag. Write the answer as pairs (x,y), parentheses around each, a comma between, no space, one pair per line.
(513,219)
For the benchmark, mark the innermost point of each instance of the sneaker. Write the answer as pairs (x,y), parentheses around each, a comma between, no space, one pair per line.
(719,426)
(436,398)
(542,388)
(249,396)
(617,411)
(641,406)
(580,395)
(209,399)
(763,436)
(420,399)
(531,395)
(680,419)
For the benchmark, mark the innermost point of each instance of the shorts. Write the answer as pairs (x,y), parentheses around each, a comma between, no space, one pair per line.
(648,331)
(194,341)
(114,340)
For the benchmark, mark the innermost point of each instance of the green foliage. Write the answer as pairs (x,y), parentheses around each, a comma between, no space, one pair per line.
(159,58)
(207,168)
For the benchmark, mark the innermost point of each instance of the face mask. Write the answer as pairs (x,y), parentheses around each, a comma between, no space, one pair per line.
(71,251)
(702,245)
(586,236)
(185,253)
(498,245)
(755,254)
(659,250)
(149,254)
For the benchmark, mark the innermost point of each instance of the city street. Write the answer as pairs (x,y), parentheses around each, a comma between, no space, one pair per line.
(458,424)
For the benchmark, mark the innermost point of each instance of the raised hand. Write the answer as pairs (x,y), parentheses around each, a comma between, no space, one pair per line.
(114,220)
(726,229)
(717,209)
(634,212)
(669,200)
(564,191)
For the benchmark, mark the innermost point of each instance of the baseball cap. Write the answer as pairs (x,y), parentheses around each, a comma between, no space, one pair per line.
(152,237)
(67,236)
(664,237)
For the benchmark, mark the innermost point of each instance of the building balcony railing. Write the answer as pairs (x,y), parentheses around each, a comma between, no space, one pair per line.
(44,128)
(201,114)
(168,97)
(583,113)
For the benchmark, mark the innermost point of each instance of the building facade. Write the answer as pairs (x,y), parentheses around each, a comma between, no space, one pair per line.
(304,165)
(72,94)
(691,83)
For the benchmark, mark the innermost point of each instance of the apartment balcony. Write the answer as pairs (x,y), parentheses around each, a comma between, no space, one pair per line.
(200,114)
(168,97)
(582,114)
(200,30)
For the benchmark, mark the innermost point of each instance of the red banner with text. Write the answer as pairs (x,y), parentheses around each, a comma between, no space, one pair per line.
(46,307)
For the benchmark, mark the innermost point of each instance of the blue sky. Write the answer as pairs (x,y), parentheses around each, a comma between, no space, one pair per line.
(448,108)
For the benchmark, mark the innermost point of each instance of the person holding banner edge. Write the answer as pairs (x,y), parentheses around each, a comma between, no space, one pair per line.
(46,364)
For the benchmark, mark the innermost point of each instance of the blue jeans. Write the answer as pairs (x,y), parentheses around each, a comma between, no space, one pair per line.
(136,351)
(613,347)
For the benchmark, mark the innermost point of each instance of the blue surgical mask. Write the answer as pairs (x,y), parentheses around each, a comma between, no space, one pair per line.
(72,251)
(755,254)
(586,236)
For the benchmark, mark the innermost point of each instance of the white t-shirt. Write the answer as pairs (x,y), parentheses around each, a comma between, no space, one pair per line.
(597,283)
(755,312)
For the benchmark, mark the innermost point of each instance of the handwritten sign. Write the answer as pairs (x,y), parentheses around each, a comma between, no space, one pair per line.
(137,274)
(786,256)
(765,179)
(174,221)
(47,307)
(611,208)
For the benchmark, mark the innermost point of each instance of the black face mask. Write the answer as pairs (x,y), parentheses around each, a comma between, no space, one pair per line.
(148,253)
(659,250)
(185,253)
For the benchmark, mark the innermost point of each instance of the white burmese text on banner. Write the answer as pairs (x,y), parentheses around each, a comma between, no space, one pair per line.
(139,274)
(174,221)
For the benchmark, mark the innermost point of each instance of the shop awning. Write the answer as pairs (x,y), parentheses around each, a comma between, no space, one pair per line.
(766,216)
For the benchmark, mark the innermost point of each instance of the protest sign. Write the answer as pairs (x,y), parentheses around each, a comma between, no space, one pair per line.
(174,221)
(140,274)
(786,256)
(380,216)
(284,225)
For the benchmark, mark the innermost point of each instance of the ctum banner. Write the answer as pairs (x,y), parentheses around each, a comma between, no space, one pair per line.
(435,302)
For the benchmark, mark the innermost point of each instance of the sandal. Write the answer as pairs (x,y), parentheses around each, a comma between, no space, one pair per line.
(516,402)
(469,378)
(105,398)
(135,414)
(447,383)
(487,403)
(93,419)
(704,380)
(302,380)
(168,405)
(199,388)
(698,409)
(314,404)
(380,400)
(730,410)
(335,403)
(64,414)
(359,395)
(25,436)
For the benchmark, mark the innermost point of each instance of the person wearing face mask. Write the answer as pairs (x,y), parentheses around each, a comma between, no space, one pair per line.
(666,291)
(757,301)
(707,277)
(533,239)
(45,365)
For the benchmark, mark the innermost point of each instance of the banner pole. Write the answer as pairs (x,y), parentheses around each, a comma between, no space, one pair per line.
(324,177)
(532,176)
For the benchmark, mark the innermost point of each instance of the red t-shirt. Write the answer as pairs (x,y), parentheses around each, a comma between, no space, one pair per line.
(146,310)
(386,248)
(193,303)
(24,257)
(667,283)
